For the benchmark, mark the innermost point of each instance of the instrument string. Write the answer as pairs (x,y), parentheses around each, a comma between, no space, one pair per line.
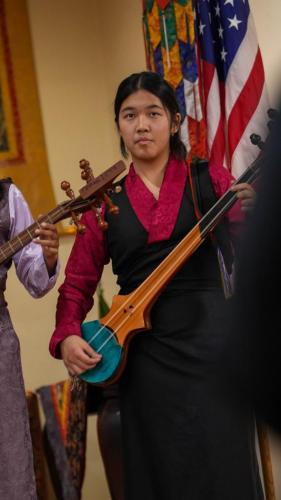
(140,302)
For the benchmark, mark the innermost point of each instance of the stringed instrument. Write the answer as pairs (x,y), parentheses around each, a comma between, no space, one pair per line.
(130,314)
(91,197)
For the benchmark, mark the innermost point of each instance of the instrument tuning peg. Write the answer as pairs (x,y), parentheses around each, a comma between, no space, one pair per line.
(112,209)
(103,225)
(116,189)
(87,173)
(65,186)
(272,114)
(102,195)
(256,140)
(270,125)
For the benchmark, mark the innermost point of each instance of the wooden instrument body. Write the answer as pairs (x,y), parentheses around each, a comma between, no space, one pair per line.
(130,314)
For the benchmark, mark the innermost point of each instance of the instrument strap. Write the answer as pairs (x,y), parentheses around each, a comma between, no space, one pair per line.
(200,182)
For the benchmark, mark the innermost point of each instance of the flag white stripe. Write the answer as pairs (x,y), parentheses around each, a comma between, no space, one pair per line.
(245,153)
(213,110)
(241,67)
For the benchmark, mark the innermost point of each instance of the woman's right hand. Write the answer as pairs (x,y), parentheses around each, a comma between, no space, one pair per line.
(78,356)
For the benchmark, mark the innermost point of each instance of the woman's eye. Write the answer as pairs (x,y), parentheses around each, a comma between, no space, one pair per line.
(153,114)
(129,116)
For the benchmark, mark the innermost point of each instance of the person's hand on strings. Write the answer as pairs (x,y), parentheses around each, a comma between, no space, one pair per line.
(47,237)
(246,194)
(78,356)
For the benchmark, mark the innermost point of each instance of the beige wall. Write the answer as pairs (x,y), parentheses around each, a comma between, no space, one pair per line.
(82,50)
(267,19)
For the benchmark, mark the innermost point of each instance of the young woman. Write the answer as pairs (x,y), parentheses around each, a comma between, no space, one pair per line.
(181,440)
(36,267)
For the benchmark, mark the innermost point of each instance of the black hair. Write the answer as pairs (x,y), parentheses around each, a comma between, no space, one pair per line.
(155,84)
(6,180)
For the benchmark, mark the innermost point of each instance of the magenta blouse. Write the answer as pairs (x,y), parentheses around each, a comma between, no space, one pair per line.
(89,253)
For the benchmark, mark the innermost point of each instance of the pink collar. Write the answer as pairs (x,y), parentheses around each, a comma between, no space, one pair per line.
(158,217)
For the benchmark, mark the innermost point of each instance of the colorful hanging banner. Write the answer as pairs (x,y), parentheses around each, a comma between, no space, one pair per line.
(169,32)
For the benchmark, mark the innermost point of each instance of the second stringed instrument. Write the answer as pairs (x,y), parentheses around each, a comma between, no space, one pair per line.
(130,314)
(91,195)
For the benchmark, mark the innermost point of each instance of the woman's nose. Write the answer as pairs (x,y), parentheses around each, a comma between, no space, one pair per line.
(142,123)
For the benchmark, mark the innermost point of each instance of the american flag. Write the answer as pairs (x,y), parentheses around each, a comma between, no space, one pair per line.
(235,100)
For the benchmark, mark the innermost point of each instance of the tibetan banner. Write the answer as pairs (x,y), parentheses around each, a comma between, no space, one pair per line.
(170,39)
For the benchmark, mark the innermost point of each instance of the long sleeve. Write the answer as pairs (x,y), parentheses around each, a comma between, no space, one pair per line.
(222,181)
(29,261)
(82,274)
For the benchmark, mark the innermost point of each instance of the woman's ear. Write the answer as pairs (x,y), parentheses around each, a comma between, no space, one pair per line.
(176,123)
(117,126)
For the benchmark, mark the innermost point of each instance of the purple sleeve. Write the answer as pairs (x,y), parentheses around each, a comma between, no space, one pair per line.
(29,262)
(82,274)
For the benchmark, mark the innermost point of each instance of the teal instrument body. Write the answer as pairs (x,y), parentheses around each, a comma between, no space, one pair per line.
(100,337)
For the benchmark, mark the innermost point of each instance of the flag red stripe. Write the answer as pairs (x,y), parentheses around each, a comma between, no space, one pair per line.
(218,147)
(246,104)
(208,75)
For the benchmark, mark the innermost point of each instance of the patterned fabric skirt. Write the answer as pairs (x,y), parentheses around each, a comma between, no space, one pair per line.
(17,480)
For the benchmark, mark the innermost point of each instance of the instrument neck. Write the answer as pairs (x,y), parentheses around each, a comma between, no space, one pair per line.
(151,288)
(11,247)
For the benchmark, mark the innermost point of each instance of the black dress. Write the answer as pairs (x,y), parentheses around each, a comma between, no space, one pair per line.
(183,439)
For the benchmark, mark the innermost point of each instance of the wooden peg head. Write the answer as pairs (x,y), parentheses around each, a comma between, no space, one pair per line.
(113,209)
(65,186)
(103,225)
(87,173)
(256,140)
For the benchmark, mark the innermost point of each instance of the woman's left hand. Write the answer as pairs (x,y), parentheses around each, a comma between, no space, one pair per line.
(246,194)
(47,237)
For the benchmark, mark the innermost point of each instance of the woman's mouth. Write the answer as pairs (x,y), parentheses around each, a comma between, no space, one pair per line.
(143,140)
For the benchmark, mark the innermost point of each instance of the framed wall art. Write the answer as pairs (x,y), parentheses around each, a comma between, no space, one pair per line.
(23,155)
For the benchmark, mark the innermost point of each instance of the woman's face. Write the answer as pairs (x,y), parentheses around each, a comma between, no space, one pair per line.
(145,126)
